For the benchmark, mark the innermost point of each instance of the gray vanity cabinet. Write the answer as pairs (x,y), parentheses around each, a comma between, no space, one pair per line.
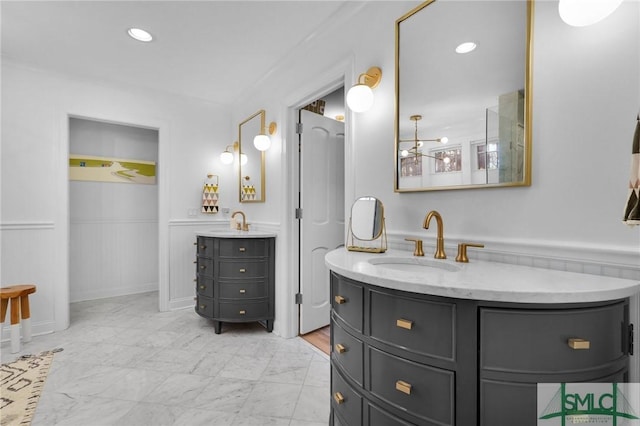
(235,280)
(400,358)
(522,347)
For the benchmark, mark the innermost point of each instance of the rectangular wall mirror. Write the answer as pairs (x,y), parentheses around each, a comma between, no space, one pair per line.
(463,120)
(252,161)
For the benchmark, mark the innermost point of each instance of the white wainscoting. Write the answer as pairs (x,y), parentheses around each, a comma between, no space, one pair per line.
(112,257)
(28,257)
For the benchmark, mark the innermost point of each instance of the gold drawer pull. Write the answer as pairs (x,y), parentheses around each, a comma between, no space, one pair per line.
(242,249)
(242,312)
(338,397)
(340,300)
(203,247)
(340,348)
(242,270)
(203,267)
(243,291)
(403,387)
(202,287)
(579,344)
(403,323)
(202,307)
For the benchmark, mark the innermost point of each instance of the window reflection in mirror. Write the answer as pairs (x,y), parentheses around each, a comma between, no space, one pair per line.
(474,109)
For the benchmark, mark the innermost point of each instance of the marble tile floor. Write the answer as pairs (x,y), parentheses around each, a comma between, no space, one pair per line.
(124,363)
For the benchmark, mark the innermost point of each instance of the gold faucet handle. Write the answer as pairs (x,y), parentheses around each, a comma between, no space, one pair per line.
(418,247)
(462,251)
(245,227)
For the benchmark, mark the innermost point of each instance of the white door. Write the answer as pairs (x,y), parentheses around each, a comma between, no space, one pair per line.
(322,203)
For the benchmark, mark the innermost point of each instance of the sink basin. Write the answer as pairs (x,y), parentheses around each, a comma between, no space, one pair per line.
(414,264)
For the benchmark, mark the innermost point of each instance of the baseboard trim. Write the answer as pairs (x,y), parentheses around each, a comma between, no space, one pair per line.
(112,292)
(182,303)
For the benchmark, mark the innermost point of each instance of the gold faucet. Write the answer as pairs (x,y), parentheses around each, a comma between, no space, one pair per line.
(440,254)
(245,225)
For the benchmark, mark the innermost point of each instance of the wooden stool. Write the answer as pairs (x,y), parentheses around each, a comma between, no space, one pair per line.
(19,295)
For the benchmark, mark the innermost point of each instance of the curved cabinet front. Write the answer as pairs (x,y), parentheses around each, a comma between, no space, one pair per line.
(401,358)
(235,280)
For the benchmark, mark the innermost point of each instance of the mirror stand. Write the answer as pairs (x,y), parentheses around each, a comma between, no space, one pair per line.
(376,245)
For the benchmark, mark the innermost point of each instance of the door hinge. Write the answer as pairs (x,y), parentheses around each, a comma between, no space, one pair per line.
(630,339)
(298,298)
(298,213)
(299,128)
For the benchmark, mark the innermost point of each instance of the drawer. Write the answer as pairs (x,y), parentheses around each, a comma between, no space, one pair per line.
(345,401)
(379,417)
(204,306)
(204,247)
(204,266)
(242,269)
(347,301)
(420,326)
(242,290)
(536,341)
(244,247)
(516,403)
(204,286)
(241,311)
(347,352)
(422,391)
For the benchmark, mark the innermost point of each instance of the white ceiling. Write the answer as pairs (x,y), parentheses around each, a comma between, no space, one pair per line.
(212,50)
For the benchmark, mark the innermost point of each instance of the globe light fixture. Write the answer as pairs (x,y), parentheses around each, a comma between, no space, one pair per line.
(360,97)
(580,13)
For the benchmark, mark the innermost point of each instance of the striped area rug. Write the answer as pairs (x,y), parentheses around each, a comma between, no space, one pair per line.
(21,383)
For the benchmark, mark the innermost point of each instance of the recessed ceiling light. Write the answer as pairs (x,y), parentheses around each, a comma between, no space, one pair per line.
(467,47)
(140,34)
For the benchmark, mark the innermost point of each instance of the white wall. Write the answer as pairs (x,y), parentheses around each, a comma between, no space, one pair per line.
(35,235)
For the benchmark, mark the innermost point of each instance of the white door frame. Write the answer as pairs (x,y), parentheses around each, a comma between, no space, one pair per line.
(326,81)
(63,228)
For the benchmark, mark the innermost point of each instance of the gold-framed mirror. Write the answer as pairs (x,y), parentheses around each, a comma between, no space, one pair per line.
(463,120)
(367,231)
(251,176)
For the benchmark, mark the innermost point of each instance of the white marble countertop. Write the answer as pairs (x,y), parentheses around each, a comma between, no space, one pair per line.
(232,233)
(478,280)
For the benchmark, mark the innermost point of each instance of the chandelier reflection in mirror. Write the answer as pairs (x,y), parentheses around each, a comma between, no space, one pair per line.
(417,143)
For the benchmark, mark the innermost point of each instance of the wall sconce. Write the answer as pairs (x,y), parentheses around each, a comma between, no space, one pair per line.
(360,96)
(226,157)
(262,142)
(580,13)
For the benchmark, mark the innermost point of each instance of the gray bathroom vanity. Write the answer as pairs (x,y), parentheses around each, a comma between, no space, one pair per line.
(235,277)
(434,342)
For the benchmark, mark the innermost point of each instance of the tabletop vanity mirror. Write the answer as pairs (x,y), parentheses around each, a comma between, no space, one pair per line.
(252,161)
(367,232)
(463,120)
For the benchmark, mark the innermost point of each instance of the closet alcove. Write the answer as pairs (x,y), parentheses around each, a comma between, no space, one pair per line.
(113,210)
